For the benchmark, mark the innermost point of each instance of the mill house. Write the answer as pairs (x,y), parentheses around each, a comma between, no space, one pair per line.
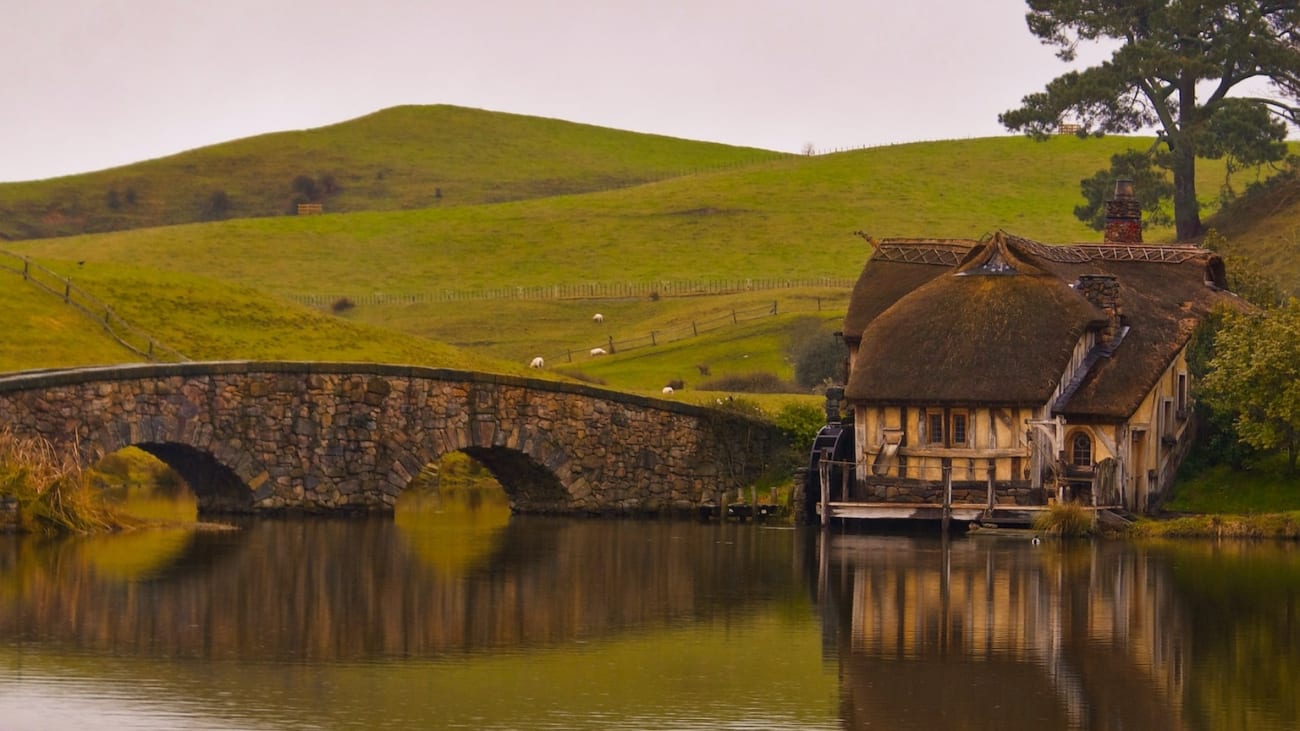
(992,377)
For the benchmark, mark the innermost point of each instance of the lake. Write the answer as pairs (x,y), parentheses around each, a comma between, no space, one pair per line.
(465,617)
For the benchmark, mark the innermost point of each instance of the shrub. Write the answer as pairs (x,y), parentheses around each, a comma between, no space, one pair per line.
(342,304)
(800,423)
(819,357)
(216,206)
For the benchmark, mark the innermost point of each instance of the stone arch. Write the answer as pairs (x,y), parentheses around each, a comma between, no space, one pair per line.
(217,487)
(528,463)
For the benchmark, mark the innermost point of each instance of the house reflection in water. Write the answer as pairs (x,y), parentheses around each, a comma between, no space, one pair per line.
(1000,633)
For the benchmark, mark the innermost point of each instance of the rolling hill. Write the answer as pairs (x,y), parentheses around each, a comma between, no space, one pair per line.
(546,204)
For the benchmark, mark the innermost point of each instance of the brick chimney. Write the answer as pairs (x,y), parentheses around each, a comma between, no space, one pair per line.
(1123,215)
(1102,290)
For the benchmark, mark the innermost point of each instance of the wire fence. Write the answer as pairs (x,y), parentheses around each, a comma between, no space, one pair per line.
(588,290)
(128,335)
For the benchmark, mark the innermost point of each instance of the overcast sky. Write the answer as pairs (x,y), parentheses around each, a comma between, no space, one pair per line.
(90,84)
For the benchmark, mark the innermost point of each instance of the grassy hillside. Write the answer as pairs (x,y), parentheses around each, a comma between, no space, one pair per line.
(222,289)
(404,157)
(202,318)
(1265,227)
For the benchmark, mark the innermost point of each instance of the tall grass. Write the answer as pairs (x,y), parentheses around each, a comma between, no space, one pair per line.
(1067,520)
(52,490)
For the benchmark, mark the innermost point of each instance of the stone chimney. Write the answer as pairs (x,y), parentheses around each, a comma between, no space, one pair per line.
(1123,215)
(1102,290)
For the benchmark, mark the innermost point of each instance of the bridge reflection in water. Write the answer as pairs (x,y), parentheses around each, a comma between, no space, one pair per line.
(584,624)
(1002,633)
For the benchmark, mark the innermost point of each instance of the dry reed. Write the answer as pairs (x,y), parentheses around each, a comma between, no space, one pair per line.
(52,489)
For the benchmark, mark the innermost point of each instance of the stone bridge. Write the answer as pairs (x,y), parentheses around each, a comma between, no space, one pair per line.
(276,436)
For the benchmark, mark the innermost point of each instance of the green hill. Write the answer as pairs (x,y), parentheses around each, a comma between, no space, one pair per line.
(661,216)
(398,158)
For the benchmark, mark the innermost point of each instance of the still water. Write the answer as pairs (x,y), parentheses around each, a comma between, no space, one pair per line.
(446,619)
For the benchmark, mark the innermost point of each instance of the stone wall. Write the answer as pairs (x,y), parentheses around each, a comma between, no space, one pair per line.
(314,436)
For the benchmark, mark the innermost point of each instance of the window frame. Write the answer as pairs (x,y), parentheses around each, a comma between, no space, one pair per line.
(1075,436)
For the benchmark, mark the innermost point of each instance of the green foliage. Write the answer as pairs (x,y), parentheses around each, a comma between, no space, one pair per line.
(800,423)
(1255,375)
(1150,186)
(1166,51)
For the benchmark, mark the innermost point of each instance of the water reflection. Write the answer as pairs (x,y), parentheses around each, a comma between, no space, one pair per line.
(1002,633)
(443,618)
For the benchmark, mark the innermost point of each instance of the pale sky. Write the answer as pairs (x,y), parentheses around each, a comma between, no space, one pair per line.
(91,84)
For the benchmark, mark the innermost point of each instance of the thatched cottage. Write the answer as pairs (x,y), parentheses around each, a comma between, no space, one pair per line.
(1016,371)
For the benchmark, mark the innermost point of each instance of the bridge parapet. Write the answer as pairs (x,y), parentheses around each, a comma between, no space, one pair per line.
(255,436)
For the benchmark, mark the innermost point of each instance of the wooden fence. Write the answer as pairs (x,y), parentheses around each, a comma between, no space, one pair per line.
(588,290)
(129,336)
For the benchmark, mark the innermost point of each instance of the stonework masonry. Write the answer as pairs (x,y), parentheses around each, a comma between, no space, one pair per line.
(251,437)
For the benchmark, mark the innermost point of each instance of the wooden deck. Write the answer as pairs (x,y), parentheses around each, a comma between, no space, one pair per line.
(1000,515)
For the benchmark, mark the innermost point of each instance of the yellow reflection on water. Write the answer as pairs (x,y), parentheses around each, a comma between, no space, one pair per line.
(134,555)
(452,522)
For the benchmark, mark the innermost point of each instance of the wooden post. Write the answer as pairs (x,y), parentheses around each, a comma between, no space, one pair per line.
(844,483)
(824,475)
(992,476)
(611,344)
(67,289)
(947,493)
(694,330)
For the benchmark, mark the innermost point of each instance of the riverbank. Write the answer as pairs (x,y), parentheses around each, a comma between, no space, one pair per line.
(1262,525)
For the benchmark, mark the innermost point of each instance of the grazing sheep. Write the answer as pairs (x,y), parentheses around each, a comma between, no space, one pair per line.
(537,363)
(597,318)
(597,351)
(668,390)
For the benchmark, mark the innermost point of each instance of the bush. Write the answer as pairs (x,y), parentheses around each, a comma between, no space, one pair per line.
(819,357)
(342,304)
(800,423)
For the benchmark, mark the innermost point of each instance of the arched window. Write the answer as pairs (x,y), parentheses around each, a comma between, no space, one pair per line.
(1081,450)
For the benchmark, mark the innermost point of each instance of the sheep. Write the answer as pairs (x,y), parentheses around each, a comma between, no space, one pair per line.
(597,351)
(598,318)
(668,390)
(537,362)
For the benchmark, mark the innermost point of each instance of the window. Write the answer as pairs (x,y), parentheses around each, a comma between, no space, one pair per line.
(958,429)
(934,427)
(1182,395)
(1081,450)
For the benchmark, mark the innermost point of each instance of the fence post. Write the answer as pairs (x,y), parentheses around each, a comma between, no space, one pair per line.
(67,290)
(652,338)
(611,344)
(26,265)
(733,317)
(694,330)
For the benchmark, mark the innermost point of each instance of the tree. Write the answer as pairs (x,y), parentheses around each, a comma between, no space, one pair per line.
(1177,63)
(1255,374)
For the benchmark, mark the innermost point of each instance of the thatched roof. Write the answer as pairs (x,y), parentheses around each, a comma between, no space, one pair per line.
(996,321)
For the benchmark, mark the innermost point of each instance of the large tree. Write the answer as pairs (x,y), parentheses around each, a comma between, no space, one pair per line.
(1176,65)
